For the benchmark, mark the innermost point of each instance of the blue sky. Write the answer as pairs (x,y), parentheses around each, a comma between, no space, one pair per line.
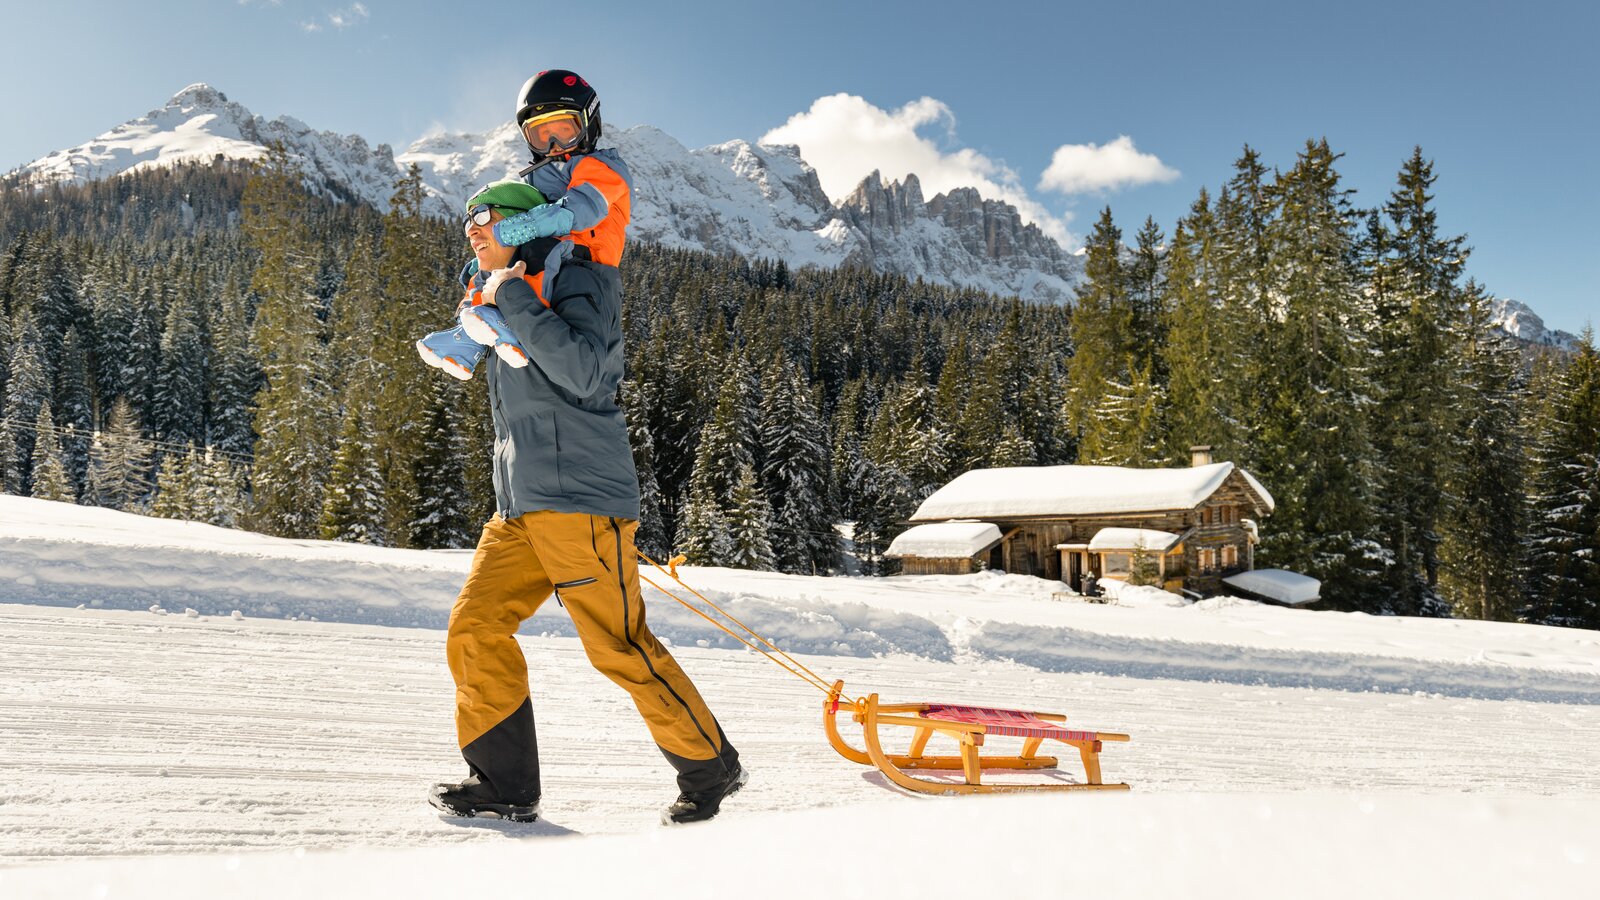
(1151,101)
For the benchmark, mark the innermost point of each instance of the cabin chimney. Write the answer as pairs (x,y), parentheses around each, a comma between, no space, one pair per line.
(1200,455)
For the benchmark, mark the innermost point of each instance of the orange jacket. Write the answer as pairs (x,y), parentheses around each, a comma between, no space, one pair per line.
(597,189)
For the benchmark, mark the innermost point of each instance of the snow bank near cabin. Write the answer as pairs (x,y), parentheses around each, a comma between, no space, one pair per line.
(1123,846)
(57,554)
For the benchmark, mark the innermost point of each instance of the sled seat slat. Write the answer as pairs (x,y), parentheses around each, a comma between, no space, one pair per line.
(1012,723)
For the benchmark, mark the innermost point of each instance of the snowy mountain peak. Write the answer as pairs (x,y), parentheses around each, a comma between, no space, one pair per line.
(199,124)
(197,96)
(1516,319)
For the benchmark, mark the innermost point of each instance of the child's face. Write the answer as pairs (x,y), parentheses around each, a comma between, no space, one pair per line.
(491,253)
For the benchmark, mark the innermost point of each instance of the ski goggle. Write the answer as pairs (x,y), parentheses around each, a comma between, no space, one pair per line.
(555,132)
(481,214)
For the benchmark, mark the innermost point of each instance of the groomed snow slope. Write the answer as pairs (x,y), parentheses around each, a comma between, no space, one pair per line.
(1263,762)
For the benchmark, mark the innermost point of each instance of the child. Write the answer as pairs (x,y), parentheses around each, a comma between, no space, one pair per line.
(558,114)
(458,350)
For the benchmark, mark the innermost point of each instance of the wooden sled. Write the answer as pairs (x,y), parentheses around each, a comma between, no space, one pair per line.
(968,725)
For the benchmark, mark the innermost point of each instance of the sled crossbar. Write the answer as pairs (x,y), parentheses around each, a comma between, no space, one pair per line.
(968,726)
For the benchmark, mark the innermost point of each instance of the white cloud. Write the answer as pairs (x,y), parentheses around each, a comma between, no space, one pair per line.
(310,27)
(1078,168)
(344,18)
(845,138)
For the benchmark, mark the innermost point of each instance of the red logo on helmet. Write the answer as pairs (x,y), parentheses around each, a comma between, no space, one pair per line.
(570,80)
(541,73)
(585,83)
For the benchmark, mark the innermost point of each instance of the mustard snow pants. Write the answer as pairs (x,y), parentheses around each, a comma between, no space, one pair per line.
(590,563)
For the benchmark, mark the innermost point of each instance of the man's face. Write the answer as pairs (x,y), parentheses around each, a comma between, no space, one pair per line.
(491,253)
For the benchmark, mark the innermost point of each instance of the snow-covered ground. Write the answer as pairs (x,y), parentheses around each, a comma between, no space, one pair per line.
(188,752)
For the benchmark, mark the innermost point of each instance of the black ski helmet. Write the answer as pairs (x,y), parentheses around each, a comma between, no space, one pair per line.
(555,89)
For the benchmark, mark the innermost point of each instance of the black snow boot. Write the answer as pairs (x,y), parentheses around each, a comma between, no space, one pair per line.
(702,805)
(472,798)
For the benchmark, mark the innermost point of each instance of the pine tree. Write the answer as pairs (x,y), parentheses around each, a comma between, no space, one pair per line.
(142,366)
(1564,538)
(1482,575)
(236,376)
(27,392)
(49,474)
(651,537)
(176,487)
(1103,336)
(1249,310)
(413,300)
(353,507)
(74,410)
(727,441)
(1146,285)
(1126,429)
(1312,442)
(113,309)
(794,474)
(1204,364)
(119,462)
(704,536)
(180,389)
(1415,285)
(221,489)
(750,523)
(443,511)
(294,415)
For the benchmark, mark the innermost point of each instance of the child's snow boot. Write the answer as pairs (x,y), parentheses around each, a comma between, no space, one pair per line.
(454,351)
(486,325)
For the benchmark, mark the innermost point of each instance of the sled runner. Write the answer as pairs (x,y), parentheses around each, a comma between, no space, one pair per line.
(968,726)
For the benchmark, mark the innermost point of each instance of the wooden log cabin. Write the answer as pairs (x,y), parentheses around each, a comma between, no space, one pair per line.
(1185,528)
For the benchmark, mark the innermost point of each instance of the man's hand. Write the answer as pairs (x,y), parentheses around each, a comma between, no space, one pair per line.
(550,220)
(499,277)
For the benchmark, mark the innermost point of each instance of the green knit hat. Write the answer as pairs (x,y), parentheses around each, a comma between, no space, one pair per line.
(510,196)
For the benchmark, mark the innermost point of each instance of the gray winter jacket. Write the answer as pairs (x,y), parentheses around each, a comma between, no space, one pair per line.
(560,440)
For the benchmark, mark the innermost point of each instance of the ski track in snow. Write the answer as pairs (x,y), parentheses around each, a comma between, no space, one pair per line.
(130,733)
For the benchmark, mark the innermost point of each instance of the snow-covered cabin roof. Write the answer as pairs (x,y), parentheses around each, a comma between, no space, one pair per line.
(1131,539)
(1277,584)
(1076,491)
(946,540)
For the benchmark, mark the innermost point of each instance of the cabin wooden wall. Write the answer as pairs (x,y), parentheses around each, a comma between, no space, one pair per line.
(914,566)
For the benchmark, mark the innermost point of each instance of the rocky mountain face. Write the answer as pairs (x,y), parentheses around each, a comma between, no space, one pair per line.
(1516,319)
(750,199)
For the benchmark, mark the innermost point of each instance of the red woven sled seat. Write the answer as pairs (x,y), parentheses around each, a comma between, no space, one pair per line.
(1005,722)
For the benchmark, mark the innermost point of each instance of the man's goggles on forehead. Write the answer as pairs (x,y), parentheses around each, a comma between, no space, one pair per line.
(555,131)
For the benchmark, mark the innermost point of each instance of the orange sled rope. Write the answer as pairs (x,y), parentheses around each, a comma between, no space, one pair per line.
(968,726)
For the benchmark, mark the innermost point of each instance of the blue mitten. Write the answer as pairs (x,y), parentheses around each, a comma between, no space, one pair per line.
(550,220)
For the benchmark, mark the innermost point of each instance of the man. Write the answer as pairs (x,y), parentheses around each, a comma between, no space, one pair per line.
(566,490)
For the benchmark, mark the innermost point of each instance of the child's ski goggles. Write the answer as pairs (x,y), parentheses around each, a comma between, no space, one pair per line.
(554,132)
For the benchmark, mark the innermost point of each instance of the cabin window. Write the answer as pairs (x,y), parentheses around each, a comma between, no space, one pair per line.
(1230,556)
(1208,560)
(1116,563)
